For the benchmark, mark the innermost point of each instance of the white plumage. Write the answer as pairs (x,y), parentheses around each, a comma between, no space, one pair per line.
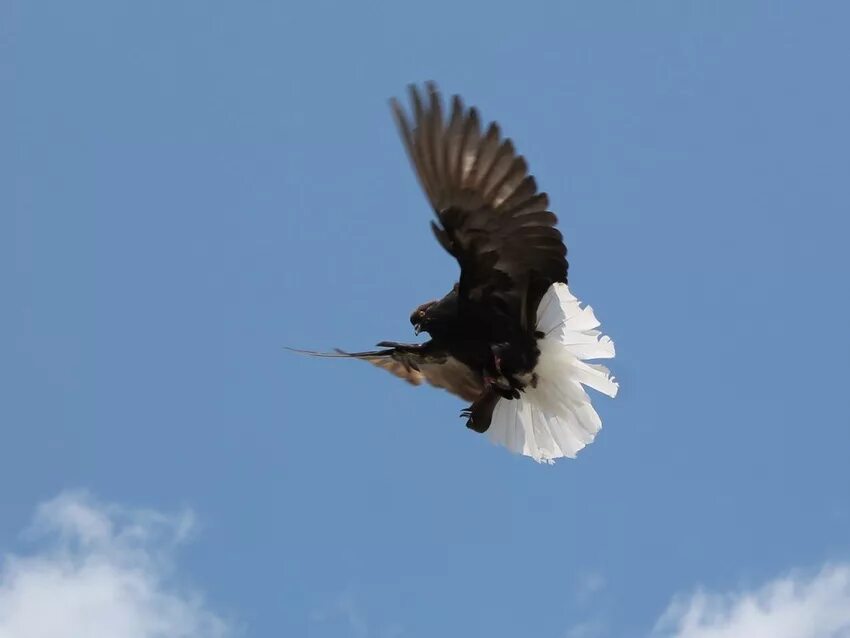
(556,419)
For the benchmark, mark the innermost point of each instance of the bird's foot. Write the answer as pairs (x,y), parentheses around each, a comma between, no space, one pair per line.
(466,413)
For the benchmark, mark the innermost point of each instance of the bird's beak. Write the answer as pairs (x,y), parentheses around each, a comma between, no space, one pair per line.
(417,329)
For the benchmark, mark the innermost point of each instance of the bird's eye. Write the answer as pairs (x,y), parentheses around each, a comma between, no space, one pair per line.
(421,313)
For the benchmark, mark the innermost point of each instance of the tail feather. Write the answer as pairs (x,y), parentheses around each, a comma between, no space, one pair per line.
(556,418)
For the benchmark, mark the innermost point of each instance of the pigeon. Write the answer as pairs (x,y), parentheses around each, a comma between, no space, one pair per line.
(510,337)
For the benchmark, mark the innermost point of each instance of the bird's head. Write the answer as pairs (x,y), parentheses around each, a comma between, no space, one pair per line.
(420,318)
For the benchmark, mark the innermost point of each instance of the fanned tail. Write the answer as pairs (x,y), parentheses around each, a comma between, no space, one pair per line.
(556,419)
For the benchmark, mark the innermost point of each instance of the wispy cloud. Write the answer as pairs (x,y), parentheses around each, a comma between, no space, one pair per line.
(102,571)
(347,608)
(794,606)
(589,584)
(587,629)
(347,613)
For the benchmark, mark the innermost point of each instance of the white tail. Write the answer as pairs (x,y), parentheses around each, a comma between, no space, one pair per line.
(555,418)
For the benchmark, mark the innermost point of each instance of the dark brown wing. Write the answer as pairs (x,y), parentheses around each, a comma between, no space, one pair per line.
(492,218)
(417,364)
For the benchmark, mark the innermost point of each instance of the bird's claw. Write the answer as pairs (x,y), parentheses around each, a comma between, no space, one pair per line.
(466,413)
(470,421)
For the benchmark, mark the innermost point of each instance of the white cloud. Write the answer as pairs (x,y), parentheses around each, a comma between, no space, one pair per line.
(101,571)
(796,606)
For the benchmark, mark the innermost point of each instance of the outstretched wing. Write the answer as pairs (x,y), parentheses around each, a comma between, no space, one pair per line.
(417,364)
(492,218)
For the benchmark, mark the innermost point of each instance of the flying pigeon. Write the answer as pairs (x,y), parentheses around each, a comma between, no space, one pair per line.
(509,337)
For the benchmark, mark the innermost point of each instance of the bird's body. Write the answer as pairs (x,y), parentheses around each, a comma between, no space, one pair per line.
(509,336)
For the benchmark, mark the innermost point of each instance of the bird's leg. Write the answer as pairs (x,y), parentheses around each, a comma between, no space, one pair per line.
(496,350)
(495,377)
(480,413)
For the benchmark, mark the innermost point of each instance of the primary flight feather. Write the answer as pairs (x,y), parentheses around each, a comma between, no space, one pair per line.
(509,337)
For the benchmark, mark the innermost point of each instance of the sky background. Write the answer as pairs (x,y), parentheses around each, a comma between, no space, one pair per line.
(188,186)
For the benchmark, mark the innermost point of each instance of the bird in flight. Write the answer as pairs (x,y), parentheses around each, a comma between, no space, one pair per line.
(509,337)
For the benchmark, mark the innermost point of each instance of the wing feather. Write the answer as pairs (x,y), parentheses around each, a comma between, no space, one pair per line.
(492,218)
(417,364)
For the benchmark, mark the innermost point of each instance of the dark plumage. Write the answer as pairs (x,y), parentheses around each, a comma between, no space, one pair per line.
(492,219)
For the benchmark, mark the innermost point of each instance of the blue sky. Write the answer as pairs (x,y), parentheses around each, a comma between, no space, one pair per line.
(186,187)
